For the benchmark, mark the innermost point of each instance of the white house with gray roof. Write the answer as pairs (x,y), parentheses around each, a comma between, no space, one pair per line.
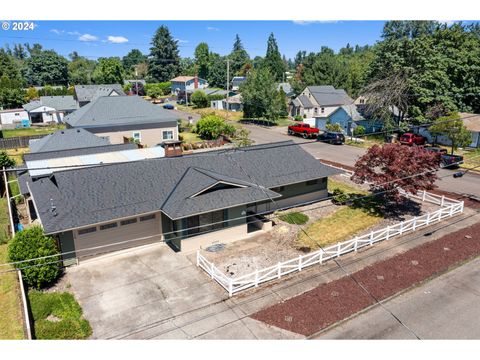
(120,118)
(50,109)
(189,201)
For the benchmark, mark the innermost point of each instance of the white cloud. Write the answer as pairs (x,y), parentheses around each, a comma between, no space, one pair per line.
(117,39)
(74,33)
(87,37)
(211,28)
(308,22)
(58,32)
(180,41)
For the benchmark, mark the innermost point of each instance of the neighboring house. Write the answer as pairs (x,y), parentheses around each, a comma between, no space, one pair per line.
(85,94)
(371,122)
(180,84)
(319,101)
(12,118)
(346,116)
(216,92)
(233,103)
(121,118)
(471,122)
(66,139)
(189,201)
(237,81)
(50,109)
(287,89)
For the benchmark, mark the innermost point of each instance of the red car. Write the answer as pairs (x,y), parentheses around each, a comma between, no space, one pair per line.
(412,139)
(303,129)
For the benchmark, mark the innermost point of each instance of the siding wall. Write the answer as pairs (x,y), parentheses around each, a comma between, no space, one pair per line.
(149,137)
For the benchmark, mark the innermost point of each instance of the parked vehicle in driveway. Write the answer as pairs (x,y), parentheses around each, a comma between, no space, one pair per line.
(412,139)
(446,160)
(331,137)
(304,130)
(168,106)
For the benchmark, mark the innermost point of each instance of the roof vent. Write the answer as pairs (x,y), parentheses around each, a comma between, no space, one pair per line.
(78,130)
(53,208)
(62,132)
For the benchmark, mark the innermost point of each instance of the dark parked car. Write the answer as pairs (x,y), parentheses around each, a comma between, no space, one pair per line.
(168,106)
(332,137)
(446,160)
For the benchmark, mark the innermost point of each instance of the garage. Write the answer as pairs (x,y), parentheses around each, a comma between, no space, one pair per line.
(117,235)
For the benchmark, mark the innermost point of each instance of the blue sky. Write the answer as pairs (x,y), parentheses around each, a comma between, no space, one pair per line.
(115,38)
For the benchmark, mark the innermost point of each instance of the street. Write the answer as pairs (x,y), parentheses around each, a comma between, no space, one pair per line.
(444,308)
(468,185)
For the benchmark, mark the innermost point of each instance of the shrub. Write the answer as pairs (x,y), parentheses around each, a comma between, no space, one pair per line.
(210,127)
(359,131)
(295,218)
(199,99)
(215,97)
(334,127)
(30,244)
(298,118)
(339,196)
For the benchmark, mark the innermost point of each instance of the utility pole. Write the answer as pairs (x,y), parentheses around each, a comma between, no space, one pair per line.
(228,82)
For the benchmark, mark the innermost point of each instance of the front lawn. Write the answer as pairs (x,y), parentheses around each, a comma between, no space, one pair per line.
(224,114)
(57,315)
(11,319)
(295,218)
(31,131)
(189,137)
(17,154)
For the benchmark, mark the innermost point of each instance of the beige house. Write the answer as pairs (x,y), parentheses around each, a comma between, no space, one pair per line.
(126,118)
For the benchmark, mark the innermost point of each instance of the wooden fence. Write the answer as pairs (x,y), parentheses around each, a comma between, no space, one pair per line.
(448,208)
(18,142)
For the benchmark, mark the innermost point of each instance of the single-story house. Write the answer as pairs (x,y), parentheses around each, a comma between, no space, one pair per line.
(65,140)
(319,101)
(233,103)
(50,108)
(471,122)
(346,116)
(188,201)
(237,81)
(85,94)
(180,84)
(121,118)
(12,118)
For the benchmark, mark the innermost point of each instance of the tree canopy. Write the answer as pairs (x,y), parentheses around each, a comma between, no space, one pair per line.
(164,60)
(108,71)
(273,60)
(238,57)
(202,59)
(46,67)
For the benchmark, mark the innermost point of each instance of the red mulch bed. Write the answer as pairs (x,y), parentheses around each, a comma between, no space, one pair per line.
(329,303)
(471,203)
(333,163)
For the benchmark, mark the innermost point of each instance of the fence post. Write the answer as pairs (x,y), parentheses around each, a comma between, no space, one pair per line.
(279,271)
(371,237)
(230,287)
(338,249)
(428,218)
(300,263)
(401,228)
(461,207)
(355,246)
(321,257)
(198,258)
(443,200)
(256,278)
(414,223)
(387,236)
(211,270)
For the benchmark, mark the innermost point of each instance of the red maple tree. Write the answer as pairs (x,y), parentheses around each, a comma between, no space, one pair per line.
(390,167)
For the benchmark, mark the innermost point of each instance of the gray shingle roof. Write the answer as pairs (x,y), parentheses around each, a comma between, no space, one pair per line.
(67,139)
(97,194)
(119,110)
(305,101)
(327,95)
(59,103)
(353,112)
(91,92)
(55,154)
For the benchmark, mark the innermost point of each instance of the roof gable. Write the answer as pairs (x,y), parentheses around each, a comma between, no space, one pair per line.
(67,139)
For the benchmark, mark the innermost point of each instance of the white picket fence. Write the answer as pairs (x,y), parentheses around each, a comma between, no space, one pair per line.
(448,208)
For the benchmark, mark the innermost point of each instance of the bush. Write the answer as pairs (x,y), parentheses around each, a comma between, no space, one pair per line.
(199,99)
(215,97)
(295,218)
(359,131)
(211,127)
(334,127)
(30,244)
(339,196)
(298,118)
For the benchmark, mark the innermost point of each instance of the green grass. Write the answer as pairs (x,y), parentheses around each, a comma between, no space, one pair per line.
(17,154)
(297,218)
(334,184)
(11,318)
(70,324)
(14,188)
(31,131)
(189,137)
(368,142)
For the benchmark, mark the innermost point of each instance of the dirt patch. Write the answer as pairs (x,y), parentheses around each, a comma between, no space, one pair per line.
(331,302)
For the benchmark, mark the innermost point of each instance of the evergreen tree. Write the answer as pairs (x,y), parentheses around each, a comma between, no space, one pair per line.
(202,59)
(273,59)
(108,71)
(164,62)
(133,58)
(238,57)
(217,72)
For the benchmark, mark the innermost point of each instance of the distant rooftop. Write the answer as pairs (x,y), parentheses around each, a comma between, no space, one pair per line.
(67,139)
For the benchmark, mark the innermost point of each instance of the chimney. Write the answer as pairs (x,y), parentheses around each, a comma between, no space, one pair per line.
(172,148)
(195,83)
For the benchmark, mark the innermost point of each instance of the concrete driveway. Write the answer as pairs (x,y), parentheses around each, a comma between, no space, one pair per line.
(123,292)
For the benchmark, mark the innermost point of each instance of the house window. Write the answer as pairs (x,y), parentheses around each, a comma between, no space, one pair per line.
(322,110)
(147,217)
(316,111)
(108,226)
(87,230)
(312,182)
(128,221)
(168,135)
(17,114)
(137,137)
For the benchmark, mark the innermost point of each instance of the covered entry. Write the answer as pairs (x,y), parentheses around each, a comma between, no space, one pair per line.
(117,235)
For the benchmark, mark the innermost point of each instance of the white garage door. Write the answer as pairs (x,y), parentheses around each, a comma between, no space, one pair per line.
(117,235)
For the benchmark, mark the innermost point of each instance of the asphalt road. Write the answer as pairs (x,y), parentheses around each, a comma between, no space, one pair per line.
(469,184)
(444,308)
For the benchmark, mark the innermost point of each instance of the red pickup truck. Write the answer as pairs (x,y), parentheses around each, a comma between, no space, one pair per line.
(303,129)
(412,139)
